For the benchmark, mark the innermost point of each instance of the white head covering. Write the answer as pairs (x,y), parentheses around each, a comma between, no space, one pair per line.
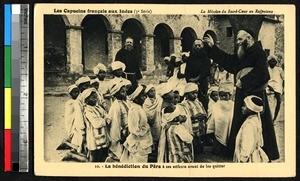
(93,81)
(82,80)
(125,82)
(137,91)
(87,92)
(170,116)
(180,88)
(116,87)
(213,89)
(117,65)
(251,105)
(99,67)
(165,88)
(71,87)
(226,87)
(167,58)
(150,86)
(190,87)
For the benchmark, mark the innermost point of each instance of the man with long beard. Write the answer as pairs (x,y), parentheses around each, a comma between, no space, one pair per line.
(198,69)
(249,65)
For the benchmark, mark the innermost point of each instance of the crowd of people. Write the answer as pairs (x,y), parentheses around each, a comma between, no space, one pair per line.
(122,120)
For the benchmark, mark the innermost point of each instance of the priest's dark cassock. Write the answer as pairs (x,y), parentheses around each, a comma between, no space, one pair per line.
(131,60)
(252,84)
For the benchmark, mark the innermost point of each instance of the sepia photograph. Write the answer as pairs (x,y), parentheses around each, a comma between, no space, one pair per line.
(149,88)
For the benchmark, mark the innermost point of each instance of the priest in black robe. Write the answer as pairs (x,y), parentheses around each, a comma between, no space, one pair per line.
(249,65)
(130,57)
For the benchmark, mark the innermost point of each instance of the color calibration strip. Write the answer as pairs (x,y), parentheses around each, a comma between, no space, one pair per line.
(7,89)
(16,63)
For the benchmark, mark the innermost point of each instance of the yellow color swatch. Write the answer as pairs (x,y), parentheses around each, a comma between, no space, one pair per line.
(8,115)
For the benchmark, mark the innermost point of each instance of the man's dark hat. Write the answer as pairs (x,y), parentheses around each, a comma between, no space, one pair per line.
(250,31)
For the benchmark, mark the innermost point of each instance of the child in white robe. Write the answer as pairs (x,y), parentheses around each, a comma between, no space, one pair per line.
(96,119)
(138,144)
(249,140)
(175,144)
(220,119)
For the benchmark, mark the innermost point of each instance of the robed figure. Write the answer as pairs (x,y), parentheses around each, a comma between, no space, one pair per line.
(249,65)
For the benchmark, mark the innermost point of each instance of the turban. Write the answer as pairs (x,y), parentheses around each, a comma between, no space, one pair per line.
(213,89)
(180,88)
(165,88)
(125,82)
(254,103)
(116,87)
(99,67)
(172,115)
(86,93)
(117,65)
(82,80)
(226,87)
(93,81)
(71,87)
(167,59)
(135,93)
(150,86)
(190,87)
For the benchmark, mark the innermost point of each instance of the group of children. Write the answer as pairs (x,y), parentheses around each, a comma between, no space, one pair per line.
(118,120)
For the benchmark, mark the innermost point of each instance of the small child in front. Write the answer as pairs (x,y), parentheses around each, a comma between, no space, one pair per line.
(249,140)
(96,118)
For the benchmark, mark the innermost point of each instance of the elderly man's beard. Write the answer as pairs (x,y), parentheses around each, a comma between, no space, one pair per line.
(199,51)
(129,47)
(241,49)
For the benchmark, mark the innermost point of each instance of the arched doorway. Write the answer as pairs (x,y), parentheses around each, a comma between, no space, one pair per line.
(163,43)
(55,59)
(188,36)
(134,29)
(94,41)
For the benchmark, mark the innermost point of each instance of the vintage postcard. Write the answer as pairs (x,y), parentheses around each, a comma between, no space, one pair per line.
(164,90)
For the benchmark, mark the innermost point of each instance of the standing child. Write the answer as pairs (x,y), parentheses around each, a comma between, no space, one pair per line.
(249,140)
(96,118)
(197,113)
(220,119)
(138,144)
(175,145)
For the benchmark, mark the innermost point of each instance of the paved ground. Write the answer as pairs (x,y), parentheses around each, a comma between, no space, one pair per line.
(55,132)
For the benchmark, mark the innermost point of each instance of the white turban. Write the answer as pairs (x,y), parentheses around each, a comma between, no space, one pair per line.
(86,93)
(180,88)
(125,82)
(167,58)
(190,87)
(135,93)
(93,81)
(150,86)
(251,105)
(213,89)
(99,67)
(165,88)
(117,65)
(71,87)
(116,87)
(226,87)
(82,80)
